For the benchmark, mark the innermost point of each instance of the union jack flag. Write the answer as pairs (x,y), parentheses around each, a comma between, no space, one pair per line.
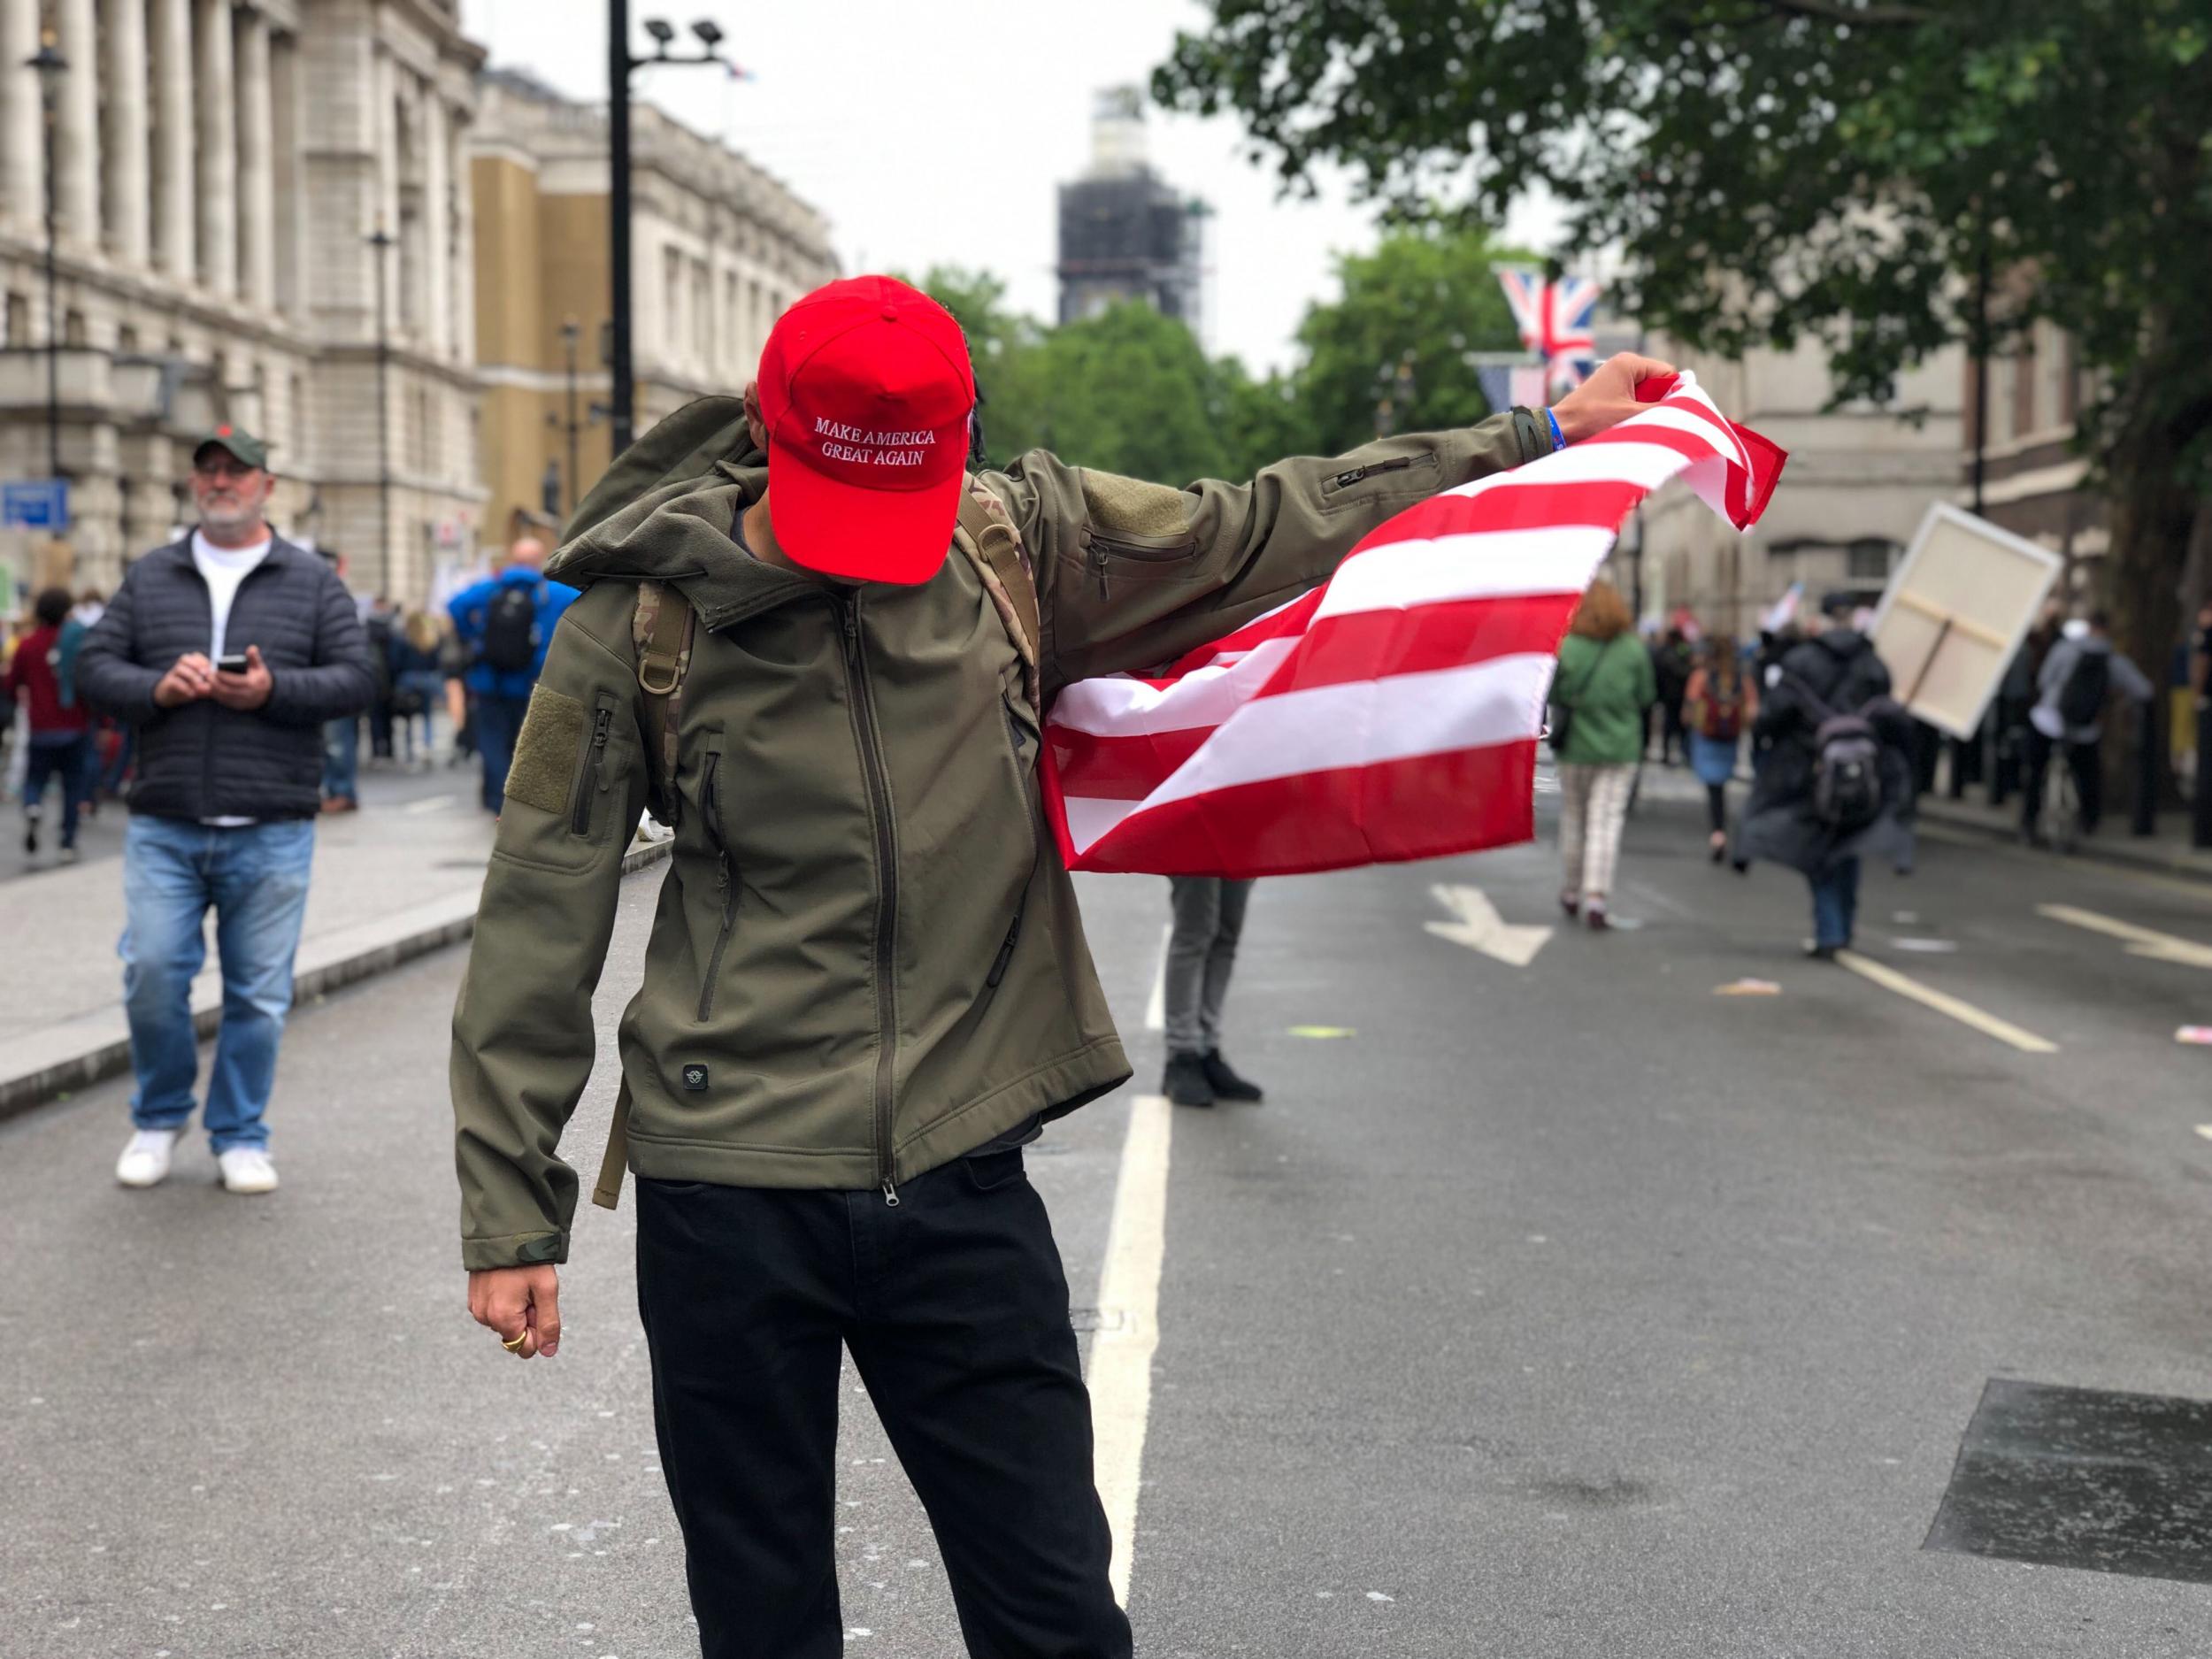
(1556,319)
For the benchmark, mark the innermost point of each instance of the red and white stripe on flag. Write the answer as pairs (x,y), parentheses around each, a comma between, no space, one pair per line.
(1393,712)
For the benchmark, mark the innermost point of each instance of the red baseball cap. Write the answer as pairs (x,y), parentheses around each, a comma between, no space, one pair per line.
(867,390)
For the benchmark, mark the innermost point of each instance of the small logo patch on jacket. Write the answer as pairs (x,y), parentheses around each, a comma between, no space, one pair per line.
(694,1078)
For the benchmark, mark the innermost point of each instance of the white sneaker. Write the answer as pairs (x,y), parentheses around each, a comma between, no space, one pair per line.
(247,1169)
(145,1162)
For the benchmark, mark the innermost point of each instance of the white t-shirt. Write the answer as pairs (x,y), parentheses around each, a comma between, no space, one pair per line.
(223,568)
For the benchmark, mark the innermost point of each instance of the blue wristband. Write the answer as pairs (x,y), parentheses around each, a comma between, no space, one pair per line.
(1558,438)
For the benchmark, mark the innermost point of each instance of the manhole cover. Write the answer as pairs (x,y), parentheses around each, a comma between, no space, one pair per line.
(2080,1477)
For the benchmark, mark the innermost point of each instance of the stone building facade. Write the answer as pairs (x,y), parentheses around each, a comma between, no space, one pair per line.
(1860,479)
(221,166)
(2033,481)
(719,248)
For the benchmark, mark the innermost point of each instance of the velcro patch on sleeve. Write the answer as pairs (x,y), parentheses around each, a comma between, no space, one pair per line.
(546,753)
(1130,506)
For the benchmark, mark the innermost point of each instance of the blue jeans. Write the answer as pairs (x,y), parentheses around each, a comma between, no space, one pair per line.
(1836,902)
(66,758)
(256,879)
(498,723)
(341,759)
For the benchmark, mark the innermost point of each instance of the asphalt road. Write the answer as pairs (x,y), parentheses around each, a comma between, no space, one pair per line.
(1564,1310)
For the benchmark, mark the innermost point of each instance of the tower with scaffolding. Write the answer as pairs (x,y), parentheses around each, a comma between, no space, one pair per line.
(1125,232)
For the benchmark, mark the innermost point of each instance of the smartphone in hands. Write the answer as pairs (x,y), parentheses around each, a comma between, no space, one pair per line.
(231,662)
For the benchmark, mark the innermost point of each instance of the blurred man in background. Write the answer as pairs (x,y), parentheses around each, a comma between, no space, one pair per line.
(229,651)
(506,623)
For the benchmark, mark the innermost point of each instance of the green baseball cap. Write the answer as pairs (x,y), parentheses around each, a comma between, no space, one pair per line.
(243,446)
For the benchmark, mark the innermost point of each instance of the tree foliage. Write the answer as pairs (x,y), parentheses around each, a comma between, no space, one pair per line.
(1131,391)
(1772,167)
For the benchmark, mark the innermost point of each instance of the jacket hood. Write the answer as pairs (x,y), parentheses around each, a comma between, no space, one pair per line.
(1844,644)
(680,534)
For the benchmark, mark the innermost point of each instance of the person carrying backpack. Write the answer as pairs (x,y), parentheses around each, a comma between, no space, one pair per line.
(2078,679)
(1837,783)
(42,674)
(1718,704)
(823,652)
(506,623)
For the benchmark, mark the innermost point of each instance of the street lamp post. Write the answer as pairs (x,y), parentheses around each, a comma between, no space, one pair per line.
(622,391)
(51,65)
(380,243)
(571,331)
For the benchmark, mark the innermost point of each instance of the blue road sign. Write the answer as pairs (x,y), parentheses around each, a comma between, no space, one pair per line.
(40,505)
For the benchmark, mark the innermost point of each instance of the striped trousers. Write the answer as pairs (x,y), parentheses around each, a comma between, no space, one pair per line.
(1594,804)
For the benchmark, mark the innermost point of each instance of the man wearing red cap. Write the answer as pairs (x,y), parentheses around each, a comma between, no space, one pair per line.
(867,987)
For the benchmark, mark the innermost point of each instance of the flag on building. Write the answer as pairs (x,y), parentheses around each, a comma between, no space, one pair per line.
(1558,321)
(1393,712)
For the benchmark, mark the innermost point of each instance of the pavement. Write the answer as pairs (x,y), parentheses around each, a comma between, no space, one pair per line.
(396,879)
(1559,1310)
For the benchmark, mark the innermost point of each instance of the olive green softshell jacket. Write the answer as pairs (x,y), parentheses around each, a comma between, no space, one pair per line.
(866,959)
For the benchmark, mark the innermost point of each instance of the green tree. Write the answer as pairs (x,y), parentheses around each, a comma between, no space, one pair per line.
(1409,313)
(1131,391)
(1772,167)
(1007,348)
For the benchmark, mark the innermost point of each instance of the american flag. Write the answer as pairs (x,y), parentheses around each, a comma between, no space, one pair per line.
(1393,712)
(1555,321)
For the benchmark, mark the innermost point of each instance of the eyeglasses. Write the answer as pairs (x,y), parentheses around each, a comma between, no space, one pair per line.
(220,471)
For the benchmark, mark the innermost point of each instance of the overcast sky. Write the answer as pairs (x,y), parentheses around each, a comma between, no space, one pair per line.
(935,131)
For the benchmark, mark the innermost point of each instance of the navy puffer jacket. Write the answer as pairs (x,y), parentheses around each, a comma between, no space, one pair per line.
(201,760)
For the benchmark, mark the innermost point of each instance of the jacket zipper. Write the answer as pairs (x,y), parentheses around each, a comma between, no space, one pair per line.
(1346,480)
(725,880)
(1102,547)
(888,903)
(591,770)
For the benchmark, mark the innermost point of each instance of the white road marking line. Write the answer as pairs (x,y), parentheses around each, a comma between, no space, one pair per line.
(2205,1130)
(428,803)
(2142,941)
(1478,925)
(1128,1333)
(1156,1010)
(1965,1013)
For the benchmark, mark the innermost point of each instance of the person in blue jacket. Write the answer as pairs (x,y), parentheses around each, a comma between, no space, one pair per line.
(506,623)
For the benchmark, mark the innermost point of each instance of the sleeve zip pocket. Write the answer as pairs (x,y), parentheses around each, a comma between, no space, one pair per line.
(1345,480)
(591,766)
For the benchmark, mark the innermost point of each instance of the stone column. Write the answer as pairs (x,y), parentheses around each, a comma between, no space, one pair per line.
(77,124)
(123,143)
(19,179)
(464,284)
(217,150)
(256,164)
(437,224)
(175,141)
(288,127)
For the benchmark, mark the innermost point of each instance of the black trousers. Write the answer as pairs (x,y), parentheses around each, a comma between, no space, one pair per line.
(955,1309)
(2084,760)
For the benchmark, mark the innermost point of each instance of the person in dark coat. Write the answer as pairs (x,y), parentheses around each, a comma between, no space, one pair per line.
(1836,673)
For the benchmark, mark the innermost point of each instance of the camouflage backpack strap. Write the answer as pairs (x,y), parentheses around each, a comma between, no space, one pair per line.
(986,535)
(661,628)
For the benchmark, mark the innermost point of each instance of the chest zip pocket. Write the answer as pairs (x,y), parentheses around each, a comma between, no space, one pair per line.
(724,876)
(591,766)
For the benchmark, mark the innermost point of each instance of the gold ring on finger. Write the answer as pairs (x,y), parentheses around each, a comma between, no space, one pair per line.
(514,1345)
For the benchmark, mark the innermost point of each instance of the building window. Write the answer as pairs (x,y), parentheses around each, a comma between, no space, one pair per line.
(19,320)
(672,300)
(1869,558)
(73,329)
(126,340)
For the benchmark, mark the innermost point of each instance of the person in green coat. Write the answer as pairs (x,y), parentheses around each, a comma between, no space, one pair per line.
(1603,689)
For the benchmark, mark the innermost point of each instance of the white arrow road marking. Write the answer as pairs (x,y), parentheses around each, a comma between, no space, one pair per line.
(2142,941)
(1480,927)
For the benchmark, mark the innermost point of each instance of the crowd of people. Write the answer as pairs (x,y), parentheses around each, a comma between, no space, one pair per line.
(1808,716)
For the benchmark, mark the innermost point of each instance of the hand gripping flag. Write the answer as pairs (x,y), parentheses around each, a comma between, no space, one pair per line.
(1557,320)
(1393,712)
